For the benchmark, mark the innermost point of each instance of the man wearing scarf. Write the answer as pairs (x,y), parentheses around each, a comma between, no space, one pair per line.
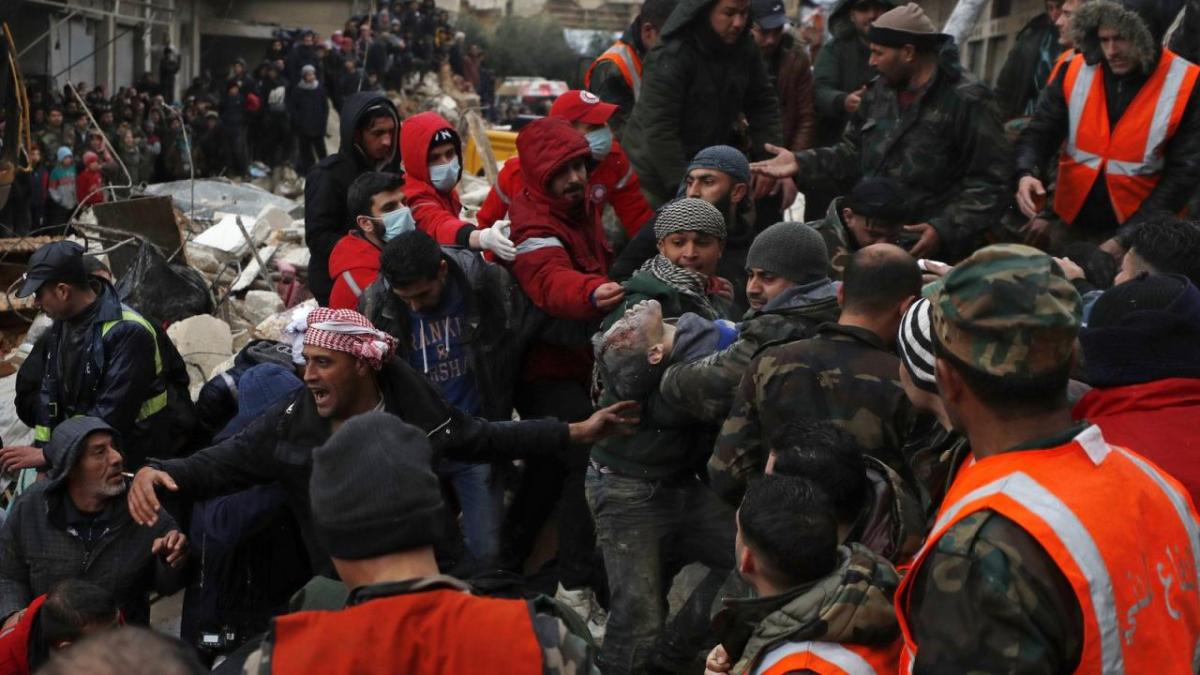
(349,370)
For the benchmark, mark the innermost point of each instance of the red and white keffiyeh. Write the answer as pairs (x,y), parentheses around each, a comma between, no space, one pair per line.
(344,330)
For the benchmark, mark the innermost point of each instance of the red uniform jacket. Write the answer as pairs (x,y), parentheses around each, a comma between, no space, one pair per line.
(612,181)
(562,255)
(85,183)
(353,266)
(1154,419)
(14,641)
(436,213)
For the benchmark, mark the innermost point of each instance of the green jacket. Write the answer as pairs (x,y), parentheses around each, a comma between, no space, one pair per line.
(694,90)
(667,442)
(839,243)
(705,388)
(853,604)
(842,66)
(948,148)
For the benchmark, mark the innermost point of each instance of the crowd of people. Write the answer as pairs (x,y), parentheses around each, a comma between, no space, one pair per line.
(90,147)
(942,427)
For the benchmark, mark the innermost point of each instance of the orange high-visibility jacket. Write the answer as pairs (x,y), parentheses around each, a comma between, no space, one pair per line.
(627,61)
(829,658)
(1123,533)
(1130,156)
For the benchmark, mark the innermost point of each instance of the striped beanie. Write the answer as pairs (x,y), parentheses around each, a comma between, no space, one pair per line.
(689,215)
(916,345)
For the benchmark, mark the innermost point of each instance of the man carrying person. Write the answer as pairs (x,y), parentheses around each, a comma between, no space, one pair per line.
(349,370)
(433,163)
(616,75)
(612,181)
(76,525)
(846,373)
(369,126)
(377,509)
(101,359)
(1127,111)
(790,296)
(1026,568)
(925,122)
(380,211)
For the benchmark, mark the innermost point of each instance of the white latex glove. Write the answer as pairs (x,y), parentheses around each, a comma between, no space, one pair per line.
(495,239)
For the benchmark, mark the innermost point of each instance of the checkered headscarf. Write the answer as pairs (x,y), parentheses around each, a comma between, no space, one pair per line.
(345,330)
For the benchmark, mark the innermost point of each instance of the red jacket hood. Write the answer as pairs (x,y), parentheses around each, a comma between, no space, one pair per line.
(1176,392)
(544,146)
(353,252)
(415,135)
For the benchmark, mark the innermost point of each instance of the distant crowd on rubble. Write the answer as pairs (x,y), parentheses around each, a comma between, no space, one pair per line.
(91,147)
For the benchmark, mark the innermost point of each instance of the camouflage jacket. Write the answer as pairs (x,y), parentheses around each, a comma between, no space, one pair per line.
(705,388)
(851,605)
(948,148)
(844,374)
(892,522)
(838,241)
(564,652)
(935,454)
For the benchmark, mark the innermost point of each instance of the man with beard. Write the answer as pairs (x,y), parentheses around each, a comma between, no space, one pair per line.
(562,257)
(719,175)
(926,122)
(76,525)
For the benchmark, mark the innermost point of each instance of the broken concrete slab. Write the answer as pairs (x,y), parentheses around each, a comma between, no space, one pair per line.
(272,327)
(214,195)
(250,271)
(259,306)
(204,341)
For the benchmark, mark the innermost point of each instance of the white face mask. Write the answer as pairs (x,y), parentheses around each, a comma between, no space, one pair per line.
(445,176)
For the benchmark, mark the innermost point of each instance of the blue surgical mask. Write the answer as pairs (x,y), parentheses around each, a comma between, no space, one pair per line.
(397,222)
(600,141)
(445,176)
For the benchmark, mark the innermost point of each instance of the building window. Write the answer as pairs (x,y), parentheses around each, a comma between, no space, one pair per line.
(1001,8)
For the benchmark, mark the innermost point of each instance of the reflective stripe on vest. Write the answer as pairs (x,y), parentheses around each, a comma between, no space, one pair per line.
(159,401)
(625,57)
(1136,585)
(1131,156)
(793,656)
(354,287)
(41,433)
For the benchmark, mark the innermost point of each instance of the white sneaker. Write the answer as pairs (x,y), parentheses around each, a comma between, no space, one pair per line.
(582,601)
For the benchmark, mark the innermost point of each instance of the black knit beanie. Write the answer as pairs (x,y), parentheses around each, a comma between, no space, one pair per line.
(373,489)
(1143,330)
(793,251)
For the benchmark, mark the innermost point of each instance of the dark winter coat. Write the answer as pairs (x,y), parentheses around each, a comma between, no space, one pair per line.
(38,550)
(309,110)
(841,67)
(278,445)
(791,71)
(1027,67)
(326,218)
(695,89)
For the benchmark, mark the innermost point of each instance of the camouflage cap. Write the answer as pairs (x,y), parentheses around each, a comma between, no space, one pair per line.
(1007,311)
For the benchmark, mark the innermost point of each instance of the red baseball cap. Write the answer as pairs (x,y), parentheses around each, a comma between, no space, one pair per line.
(579,105)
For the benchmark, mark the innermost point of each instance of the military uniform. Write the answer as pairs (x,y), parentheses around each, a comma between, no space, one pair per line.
(838,239)
(947,147)
(705,388)
(844,374)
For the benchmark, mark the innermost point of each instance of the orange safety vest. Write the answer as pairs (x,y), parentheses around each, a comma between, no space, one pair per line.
(1123,533)
(627,61)
(829,658)
(440,632)
(1131,155)
(1062,60)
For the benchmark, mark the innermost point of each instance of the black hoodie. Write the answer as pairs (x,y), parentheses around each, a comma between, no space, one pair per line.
(325,212)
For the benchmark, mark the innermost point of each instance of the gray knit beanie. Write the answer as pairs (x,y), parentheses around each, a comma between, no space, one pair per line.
(793,251)
(689,215)
(373,489)
(723,158)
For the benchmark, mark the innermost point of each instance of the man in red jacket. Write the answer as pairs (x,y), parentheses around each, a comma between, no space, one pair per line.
(612,181)
(1140,354)
(432,152)
(380,212)
(562,256)
(71,610)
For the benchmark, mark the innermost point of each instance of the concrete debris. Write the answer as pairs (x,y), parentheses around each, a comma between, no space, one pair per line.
(272,327)
(250,271)
(212,196)
(258,306)
(204,341)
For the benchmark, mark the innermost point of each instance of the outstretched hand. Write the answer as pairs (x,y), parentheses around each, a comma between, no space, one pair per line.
(782,165)
(619,418)
(143,502)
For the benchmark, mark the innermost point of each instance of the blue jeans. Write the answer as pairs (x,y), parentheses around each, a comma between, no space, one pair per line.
(647,530)
(482,502)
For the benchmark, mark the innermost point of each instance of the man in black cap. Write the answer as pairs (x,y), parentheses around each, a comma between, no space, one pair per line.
(872,213)
(377,509)
(101,358)
(926,122)
(791,69)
